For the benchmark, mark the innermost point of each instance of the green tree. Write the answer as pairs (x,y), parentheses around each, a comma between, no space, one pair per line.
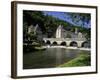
(81,18)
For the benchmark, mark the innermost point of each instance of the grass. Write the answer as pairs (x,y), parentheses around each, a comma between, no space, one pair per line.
(83,59)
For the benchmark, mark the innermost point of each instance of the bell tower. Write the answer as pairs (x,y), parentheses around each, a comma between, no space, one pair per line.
(58,31)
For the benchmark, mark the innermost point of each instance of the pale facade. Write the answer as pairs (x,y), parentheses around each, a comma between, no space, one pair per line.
(59,31)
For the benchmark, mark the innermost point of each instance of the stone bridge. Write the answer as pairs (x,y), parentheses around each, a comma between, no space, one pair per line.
(78,42)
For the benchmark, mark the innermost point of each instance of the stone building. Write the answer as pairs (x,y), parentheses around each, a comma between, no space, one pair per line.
(62,33)
(35,30)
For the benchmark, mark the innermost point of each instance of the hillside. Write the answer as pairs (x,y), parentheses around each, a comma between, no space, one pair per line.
(48,24)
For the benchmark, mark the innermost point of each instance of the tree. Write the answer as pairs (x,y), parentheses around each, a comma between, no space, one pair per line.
(80,18)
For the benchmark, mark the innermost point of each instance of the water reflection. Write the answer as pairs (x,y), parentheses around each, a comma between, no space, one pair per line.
(51,57)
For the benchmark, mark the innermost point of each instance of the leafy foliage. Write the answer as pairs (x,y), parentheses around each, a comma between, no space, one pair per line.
(81,60)
(49,24)
(81,18)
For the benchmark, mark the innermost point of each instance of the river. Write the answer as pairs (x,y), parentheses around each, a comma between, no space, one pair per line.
(49,58)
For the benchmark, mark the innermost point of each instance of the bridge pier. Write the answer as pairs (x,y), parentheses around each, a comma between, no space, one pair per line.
(68,43)
(80,43)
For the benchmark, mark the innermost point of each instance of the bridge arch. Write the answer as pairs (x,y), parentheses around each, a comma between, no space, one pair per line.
(54,43)
(48,42)
(63,43)
(43,42)
(85,44)
(73,43)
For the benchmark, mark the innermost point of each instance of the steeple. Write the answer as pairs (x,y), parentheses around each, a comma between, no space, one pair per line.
(35,29)
(76,31)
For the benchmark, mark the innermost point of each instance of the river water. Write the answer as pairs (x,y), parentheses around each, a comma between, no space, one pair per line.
(49,58)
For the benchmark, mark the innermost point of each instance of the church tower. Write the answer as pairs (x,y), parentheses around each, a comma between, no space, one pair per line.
(76,31)
(58,31)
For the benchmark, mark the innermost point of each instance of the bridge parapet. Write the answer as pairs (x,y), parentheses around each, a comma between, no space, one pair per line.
(65,39)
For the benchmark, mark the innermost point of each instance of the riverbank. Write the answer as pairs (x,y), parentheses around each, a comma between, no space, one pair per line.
(52,58)
(86,49)
(32,48)
(81,60)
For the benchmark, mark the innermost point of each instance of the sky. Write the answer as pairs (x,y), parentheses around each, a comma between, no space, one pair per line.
(65,17)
